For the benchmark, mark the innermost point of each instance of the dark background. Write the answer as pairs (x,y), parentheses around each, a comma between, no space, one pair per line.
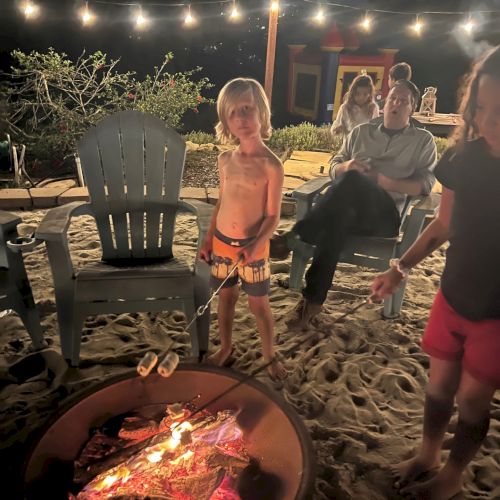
(439,57)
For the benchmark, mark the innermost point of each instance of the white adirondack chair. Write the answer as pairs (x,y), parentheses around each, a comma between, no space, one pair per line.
(132,164)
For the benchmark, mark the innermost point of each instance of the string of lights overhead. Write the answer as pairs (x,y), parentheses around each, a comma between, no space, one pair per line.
(234,13)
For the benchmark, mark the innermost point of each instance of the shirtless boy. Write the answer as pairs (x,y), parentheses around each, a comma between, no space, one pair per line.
(246,215)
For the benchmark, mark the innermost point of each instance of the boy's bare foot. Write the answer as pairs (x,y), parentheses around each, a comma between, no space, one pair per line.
(443,486)
(276,369)
(411,470)
(222,357)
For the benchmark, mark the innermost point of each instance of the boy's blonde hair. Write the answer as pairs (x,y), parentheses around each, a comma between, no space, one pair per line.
(229,95)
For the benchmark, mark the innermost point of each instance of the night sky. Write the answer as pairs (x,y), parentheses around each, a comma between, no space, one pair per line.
(439,57)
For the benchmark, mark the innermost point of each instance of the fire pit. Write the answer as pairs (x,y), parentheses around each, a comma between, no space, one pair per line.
(273,434)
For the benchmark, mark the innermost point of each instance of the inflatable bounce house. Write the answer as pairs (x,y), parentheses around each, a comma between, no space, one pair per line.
(319,77)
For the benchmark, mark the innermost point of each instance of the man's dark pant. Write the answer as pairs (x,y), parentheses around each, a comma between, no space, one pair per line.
(353,205)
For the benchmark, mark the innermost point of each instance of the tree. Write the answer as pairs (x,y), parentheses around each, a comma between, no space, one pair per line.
(53,100)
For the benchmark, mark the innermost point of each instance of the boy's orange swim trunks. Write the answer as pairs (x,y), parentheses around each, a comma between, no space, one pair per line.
(255,276)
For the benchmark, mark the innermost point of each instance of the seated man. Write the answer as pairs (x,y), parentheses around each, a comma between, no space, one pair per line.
(379,164)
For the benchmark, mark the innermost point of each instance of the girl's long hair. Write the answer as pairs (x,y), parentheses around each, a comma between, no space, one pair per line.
(359,81)
(488,64)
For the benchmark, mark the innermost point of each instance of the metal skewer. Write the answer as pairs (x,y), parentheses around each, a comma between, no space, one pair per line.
(171,359)
(370,300)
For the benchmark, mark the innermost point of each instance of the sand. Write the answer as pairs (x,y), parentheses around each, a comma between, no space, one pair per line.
(358,385)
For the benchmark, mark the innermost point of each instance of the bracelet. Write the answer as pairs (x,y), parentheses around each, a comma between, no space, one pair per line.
(404,271)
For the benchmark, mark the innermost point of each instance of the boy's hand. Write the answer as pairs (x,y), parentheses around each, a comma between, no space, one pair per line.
(206,251)
(248,253)
(385,284)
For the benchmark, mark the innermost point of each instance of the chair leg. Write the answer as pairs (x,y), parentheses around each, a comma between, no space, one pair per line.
(299,263)
(27,311)
(70,332)
(201,297)
(392,304)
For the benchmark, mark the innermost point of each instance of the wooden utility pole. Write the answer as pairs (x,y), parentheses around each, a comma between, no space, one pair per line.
(271,48)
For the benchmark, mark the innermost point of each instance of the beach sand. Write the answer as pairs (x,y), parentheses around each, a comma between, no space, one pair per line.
(358,385)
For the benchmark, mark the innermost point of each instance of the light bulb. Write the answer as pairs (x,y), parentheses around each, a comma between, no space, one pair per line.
(30,10)
(320,16)
(417,27)
(468,26)
(366,23)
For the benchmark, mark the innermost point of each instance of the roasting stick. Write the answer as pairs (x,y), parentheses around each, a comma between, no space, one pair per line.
(171,358)
(370,300)
(114,459)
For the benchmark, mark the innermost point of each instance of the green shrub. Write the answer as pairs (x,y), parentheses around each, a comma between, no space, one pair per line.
(305,136)
(53,100)
(199,137)
(441,145)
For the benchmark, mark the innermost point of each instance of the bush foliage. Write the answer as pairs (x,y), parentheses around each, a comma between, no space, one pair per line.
(52,100)
(305,136)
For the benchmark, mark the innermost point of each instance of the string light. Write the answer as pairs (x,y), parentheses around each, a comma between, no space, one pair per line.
(469,25)
(87,16)
(366,23)
(319,17)
(189,20)
(141,20)
(30,10)
(418,26)
(235,13)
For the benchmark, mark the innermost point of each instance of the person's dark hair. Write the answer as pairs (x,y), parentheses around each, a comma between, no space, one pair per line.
(400,71)
(487,65)
(415,93)
(359,81)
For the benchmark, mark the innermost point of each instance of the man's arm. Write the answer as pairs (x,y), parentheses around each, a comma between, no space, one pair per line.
(338,164)
(423,179)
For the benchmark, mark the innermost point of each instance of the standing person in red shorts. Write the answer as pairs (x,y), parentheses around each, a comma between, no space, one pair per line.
(463,333)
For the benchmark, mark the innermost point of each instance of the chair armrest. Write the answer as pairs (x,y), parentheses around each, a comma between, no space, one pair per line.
(8,219)
(55,224)
(311,188)
(428,204)
(425,206)
(306,193)
(203,212)
(53,230)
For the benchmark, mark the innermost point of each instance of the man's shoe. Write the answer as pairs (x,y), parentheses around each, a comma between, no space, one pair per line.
(303,313)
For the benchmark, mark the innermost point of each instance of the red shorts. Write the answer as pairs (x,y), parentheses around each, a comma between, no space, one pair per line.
(451,337)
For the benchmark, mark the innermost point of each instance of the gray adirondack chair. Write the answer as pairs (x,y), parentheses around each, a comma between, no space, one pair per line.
(369,252)
(15,289)
(132,164)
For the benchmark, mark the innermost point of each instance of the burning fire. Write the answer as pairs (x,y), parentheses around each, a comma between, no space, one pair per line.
(201,466)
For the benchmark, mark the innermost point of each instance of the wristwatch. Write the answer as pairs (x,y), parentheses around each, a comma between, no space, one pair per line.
(403,270)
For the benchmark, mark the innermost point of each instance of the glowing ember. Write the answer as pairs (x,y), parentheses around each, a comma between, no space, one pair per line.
(198,460)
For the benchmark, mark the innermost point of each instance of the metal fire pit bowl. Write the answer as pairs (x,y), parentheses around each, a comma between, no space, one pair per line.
(274,433)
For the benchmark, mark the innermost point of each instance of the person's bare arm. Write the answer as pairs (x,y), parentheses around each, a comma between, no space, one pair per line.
(206,248)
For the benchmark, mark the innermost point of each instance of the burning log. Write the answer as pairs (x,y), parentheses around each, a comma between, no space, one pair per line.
(164,465)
